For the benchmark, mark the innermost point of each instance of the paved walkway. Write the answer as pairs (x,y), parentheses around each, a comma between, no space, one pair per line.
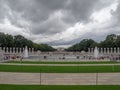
(60,78)
(58,64)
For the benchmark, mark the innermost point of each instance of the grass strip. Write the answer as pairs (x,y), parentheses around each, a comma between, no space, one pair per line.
(60,69)
(62,62)
(59,87)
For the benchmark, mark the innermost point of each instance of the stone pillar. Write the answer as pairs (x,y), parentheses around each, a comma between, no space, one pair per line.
(32,50)
(16,50)
(92,50)
(13,50)
(4,49)
(104,50)
(7,50)
(101,50)
(10,50)
(29,50)
(88,50)
(1,54)
(114,50)
(111,50)
(118,50)
(20,50)
(23,49)
(0,49)
(108,50)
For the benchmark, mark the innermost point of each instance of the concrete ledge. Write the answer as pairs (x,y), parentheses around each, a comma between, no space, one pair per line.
(60,78)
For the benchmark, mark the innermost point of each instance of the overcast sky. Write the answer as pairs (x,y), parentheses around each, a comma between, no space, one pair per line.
(60,22)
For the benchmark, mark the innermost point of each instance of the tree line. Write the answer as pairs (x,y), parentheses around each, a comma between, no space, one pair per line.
(111,41)
(7,40)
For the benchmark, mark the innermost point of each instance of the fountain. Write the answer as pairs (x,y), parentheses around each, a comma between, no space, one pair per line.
(96,52)
(26,52)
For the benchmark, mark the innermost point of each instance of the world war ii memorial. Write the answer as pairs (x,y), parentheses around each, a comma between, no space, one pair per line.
(59,45)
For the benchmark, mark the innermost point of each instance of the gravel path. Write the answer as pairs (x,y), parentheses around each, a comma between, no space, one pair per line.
(60,78)
(58,64)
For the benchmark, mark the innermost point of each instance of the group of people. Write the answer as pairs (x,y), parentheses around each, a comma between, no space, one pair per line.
(115,57)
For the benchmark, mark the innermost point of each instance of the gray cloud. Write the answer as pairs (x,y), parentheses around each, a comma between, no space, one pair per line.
(52,18)
(117,13)
(39,11)
(79,10)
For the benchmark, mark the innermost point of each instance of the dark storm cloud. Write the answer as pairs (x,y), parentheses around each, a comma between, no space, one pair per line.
(117,13)
(36,10)
(51,17)
(79,10)
(39,11)
(3,11)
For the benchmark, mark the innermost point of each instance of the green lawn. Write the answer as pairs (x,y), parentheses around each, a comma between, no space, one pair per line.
(42,62)
(59,87)
(59,69)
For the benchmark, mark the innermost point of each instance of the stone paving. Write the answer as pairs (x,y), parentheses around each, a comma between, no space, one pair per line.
(60,78)
(23,64)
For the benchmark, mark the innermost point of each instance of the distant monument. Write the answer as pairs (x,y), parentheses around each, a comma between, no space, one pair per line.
(96,52)
(26,52)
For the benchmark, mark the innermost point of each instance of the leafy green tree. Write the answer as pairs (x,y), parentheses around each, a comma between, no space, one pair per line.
(20,41)
(7,40)
(118,41)
(45,47)
(83,45)
(110,41)
(2,39)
